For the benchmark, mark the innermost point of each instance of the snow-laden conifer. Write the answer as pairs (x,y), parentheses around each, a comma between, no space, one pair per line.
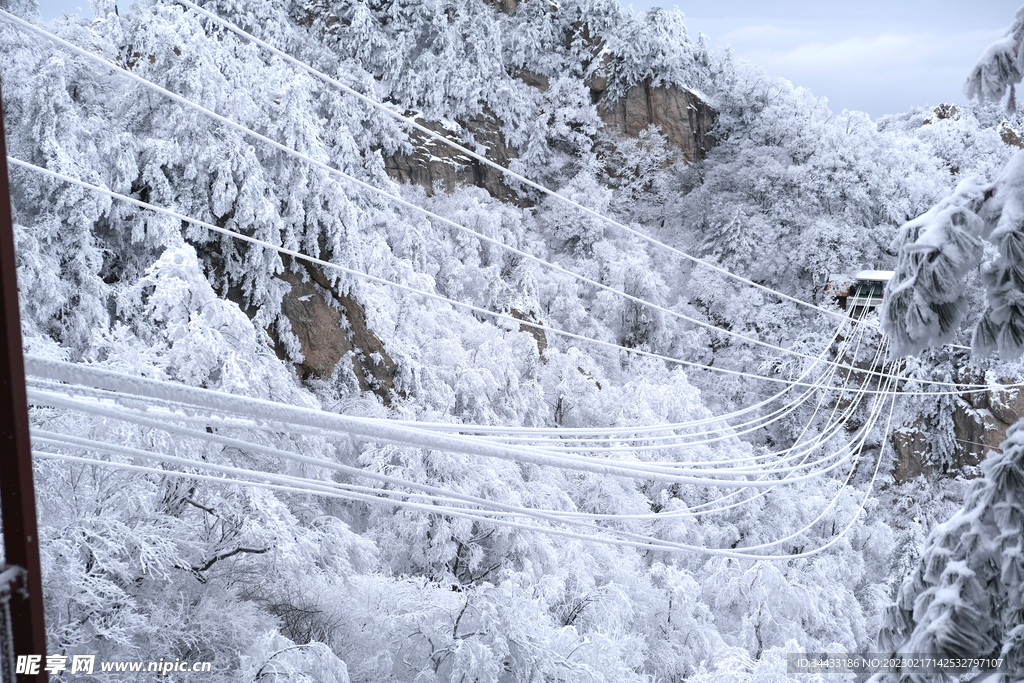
(925,299)
(1000,67)
(966,596)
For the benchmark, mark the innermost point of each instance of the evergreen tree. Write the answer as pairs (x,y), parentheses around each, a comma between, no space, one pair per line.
(926,300)
(966,597)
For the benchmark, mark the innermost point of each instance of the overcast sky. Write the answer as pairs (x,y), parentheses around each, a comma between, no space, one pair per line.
(872,55)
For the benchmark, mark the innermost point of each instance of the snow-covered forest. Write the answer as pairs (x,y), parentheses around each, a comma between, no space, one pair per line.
(619,431)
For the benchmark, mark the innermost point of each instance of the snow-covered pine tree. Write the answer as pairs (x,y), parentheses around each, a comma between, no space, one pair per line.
(925,299)
(965,597)
(1001,66)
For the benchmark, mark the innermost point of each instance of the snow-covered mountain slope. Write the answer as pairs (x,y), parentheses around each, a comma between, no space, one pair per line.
(582,97)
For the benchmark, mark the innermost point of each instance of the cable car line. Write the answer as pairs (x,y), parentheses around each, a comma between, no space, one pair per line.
(333,171)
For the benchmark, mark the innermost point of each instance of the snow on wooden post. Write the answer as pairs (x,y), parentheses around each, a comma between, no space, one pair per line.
(17,491)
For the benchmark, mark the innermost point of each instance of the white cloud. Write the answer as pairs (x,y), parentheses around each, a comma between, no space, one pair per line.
(874,55)
(886,72)
(879,54)
(769,34)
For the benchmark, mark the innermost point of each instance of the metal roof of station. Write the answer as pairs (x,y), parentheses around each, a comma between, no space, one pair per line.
(876,275)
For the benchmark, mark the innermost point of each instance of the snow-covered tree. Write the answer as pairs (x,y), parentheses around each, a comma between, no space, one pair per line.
(926,298)
(966,596)
(287,586)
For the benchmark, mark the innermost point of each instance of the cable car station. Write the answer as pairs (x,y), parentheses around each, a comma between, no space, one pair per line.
(860,295)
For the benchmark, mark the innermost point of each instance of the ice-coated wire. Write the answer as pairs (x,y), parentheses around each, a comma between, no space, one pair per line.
(245,446)
(262,449)
(629,469)
(626,432)
(831,428)
(696,510)
(652,543)
(212,420)
(164,420)
(498,167)
(870,487)
(429,509)
(434,496)
(382,281)
(438,503)
(336,172)
(318,488)
(630,430)
(345,494)
(432,493)
(375,429)
(562,438)
(45,398)
(873,419)
(663,443)
(673,468)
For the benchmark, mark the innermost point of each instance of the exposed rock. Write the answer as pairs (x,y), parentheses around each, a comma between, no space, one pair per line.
(597,79)
(317,326)
(996,410)
(1010,136)
(537,333)
(506,6)
(435,164)
(979,399)
(941,112)
(980,422)
(837,288)
(532,79)
(327,332)
(910,447)
(994,433)
(309,12)
(1006,405)
(684,117)
(974,431)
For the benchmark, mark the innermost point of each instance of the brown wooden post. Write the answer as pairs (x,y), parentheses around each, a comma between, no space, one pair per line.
(17,490)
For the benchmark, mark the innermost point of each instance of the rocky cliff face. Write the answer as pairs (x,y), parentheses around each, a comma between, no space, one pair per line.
(684,118)
(435,165)
(980,422)
(330,326)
